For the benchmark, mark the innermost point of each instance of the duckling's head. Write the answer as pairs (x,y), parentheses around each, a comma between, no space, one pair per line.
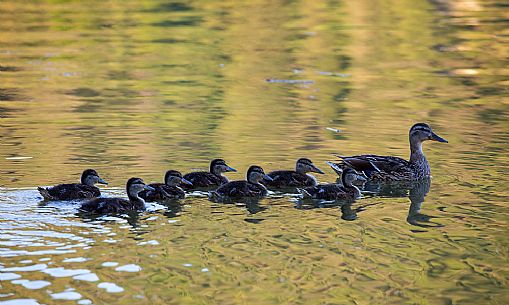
(256,173)
(174,178)
(91,177)
(218,166)
(136,185)
(304,165)
(421,132)
(349,176)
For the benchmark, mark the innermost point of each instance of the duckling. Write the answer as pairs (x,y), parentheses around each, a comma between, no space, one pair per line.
(334,191)
(209,179)
(252,188)
(119,205)
(71,191)
(297,178)
(388,168)
(168,190)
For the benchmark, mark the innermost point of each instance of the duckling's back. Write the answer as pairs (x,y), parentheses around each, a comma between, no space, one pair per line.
(286,178)
(203,180)
(70,191)
(111,206)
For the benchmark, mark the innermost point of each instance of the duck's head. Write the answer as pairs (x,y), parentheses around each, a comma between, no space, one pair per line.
(218,166)
(349,176)
(174,178)
(91,177)
(136,185)
(304,165)
(421,132)
(255,174)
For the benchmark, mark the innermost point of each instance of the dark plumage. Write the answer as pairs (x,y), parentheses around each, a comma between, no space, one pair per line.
(335,191)
(388,168)
(294,178)
(72,191)
(212,178)
(119,205)
(242,188)
(168,190)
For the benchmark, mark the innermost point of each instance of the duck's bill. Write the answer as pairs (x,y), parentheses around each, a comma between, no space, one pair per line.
(230,169)
(316,170)
(185,181)
(102,181)
(148,188)
(267,177)
(435,137)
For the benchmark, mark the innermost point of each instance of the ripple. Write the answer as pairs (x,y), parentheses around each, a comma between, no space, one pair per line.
(88,277)
(8,276)
(36,267)
(66,295)
(32,284)
(62,272)
(129,268)
(20,302)
(110,287)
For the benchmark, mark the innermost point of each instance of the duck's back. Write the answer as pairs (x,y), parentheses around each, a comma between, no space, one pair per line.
(162,192)
(111,206)
(241,188)
(69,191)
(286,178)
(204,179)
(330,191)
(391,168)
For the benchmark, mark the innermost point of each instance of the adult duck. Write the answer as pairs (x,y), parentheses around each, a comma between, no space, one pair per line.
(388,168)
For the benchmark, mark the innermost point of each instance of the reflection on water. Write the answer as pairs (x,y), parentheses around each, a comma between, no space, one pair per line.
(133,88)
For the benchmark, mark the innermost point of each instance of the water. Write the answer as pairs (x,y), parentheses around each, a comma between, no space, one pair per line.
(134,88)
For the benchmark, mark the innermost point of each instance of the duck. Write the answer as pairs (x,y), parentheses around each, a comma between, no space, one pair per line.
(210,179)
(389,168)
(250,188)
(119,205)
(74,191)
(294,178)
(168,190)
(335,191)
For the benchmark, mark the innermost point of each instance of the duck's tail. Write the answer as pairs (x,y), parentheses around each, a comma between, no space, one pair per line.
(44,193)
(305,194)
(335,167)
(214,196)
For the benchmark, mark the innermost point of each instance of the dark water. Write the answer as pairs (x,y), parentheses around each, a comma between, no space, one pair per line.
(132,88)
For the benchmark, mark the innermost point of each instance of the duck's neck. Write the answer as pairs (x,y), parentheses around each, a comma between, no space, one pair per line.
(355,190)
(135,198)
(257,182)
(417,158)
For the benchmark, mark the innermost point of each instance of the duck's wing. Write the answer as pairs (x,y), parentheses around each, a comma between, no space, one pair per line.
(202,179)
(287,178)
(69,191)
(153,195)
(106,206)
(377,167)
(171,192)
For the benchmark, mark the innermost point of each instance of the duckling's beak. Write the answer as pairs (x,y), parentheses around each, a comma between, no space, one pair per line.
(185,181)
(148,188)
(230,169)
(102,181)
(316,169)
(435,137)
(267,177)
